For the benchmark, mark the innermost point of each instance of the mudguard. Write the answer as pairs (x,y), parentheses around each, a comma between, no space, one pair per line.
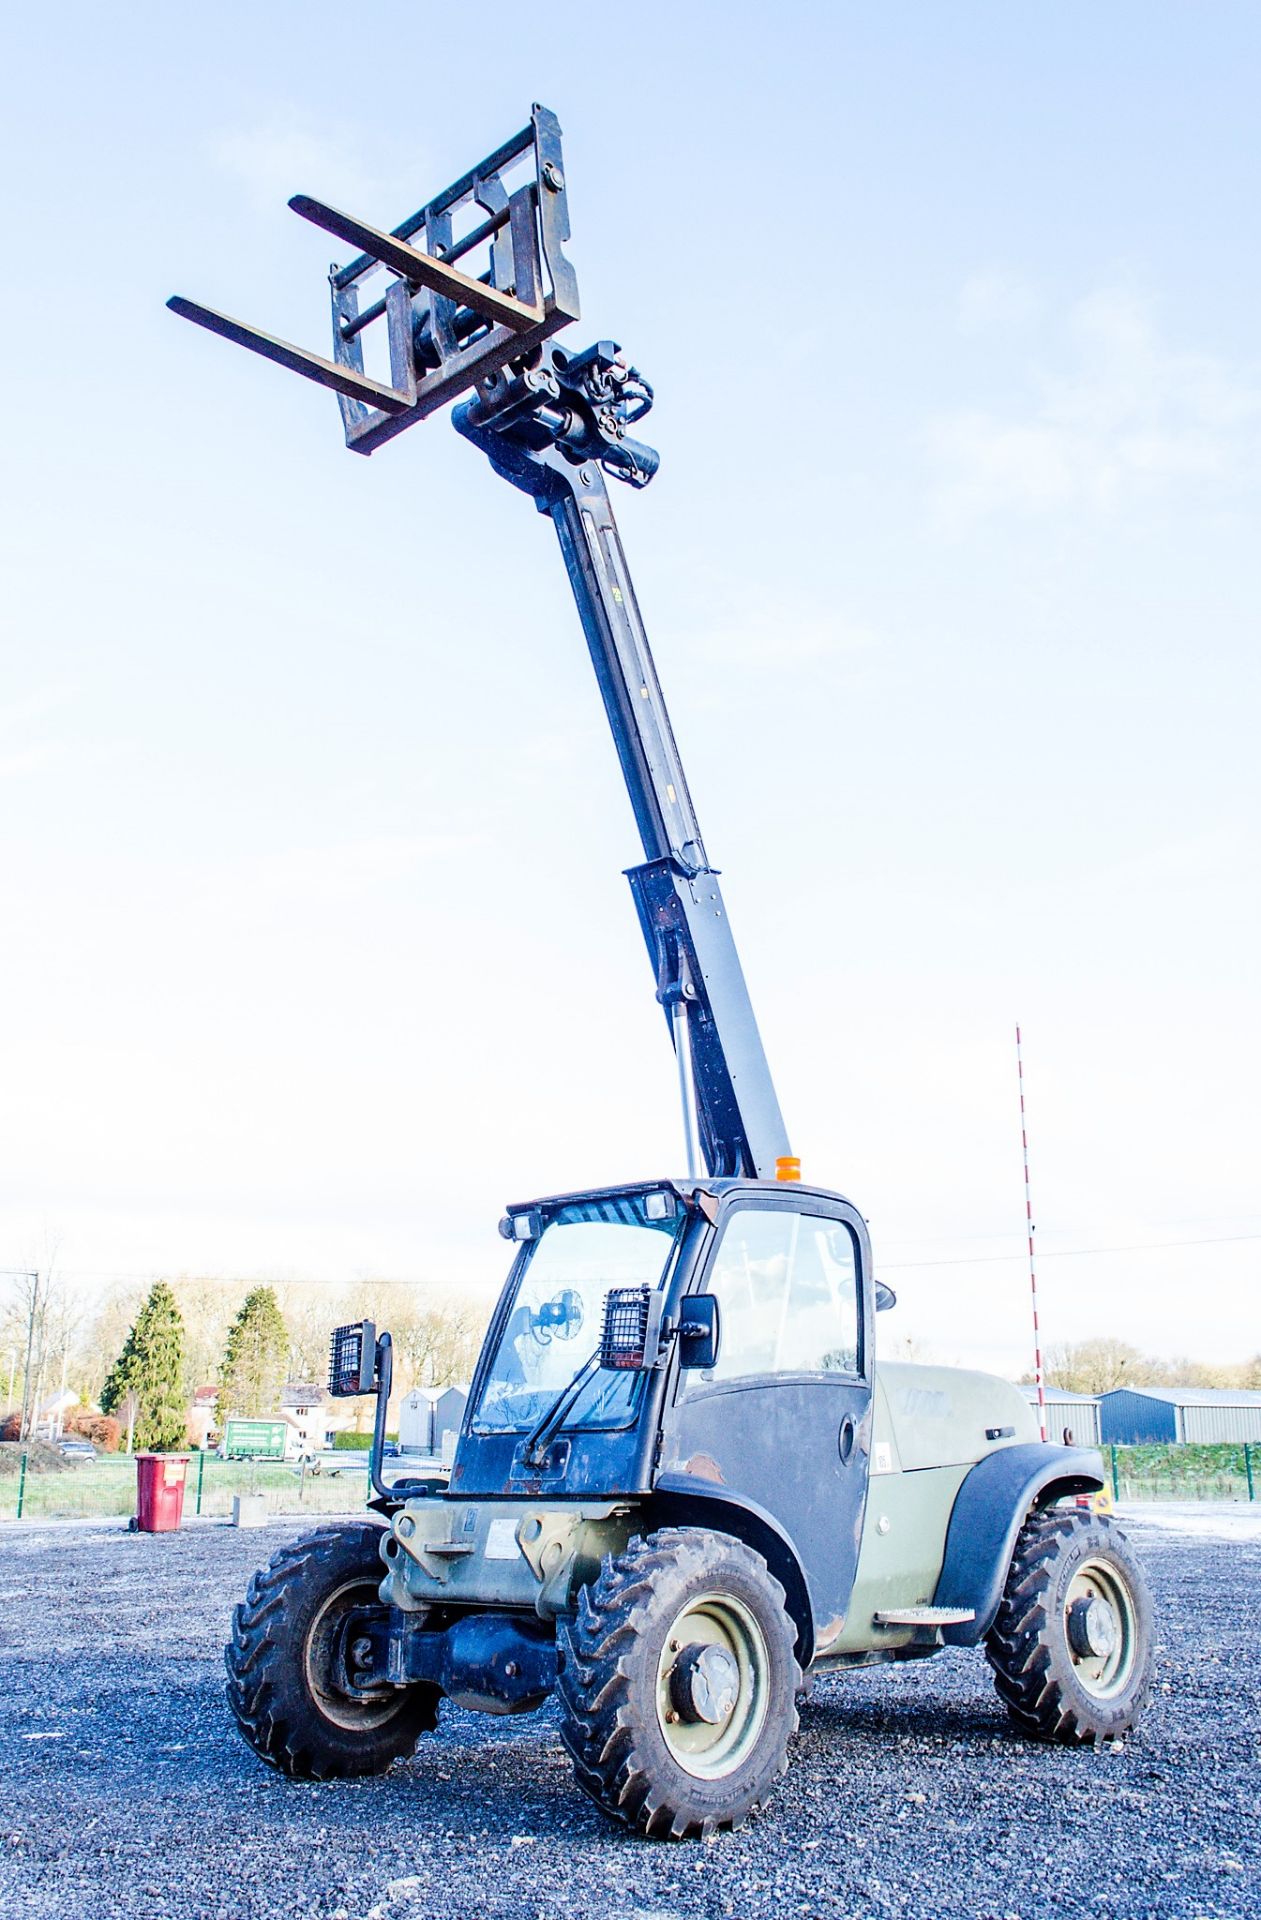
(684,1499)
(989,1510)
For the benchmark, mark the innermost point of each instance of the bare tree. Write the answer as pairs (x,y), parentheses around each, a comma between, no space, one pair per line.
(1102,1364)
(437,1341)
(1097,1366)
(102,1334)
(39,1322)
(23,1324)
(436,1335)
(311,1311)
(207,1307)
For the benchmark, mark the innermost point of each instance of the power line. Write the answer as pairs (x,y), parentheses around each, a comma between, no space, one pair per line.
(1004,1233)
(249,1279)
(1069,1253)
(886,1266)
(1033,1275)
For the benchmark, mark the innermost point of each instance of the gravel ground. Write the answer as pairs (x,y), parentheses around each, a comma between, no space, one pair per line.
(130,1794)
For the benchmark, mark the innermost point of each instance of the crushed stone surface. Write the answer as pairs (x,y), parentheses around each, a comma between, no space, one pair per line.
(128,1793)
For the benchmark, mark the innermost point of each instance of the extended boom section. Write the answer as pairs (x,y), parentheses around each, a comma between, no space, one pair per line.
(554,437)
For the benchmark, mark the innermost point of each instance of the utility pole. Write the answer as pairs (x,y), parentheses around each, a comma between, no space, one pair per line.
(1038,1371)
(61,1410)
(23,1273)
(42,1364)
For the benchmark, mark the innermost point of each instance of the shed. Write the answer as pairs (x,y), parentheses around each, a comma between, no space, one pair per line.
(1076,1412)
(415,1421)
(1203,1416)
(448,1418)
(430,1420)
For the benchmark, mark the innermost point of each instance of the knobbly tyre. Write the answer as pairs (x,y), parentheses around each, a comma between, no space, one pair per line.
(684,1484)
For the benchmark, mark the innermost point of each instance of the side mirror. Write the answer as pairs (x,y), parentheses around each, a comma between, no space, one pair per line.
(698,1331)
(885,1297)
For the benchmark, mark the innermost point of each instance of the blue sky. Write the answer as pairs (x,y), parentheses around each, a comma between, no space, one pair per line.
(311,842)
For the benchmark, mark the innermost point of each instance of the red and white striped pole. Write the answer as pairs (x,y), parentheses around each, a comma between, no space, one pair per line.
(1033,1274)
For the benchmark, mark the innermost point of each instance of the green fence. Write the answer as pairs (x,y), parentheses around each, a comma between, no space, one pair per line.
(106,1488)
(1227,1472)
(338,1483)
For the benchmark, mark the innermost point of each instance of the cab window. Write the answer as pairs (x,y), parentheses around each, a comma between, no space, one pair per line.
(787,1289)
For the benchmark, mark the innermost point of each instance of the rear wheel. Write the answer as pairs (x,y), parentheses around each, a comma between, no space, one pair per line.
(1071,1647)
(678,1683)
(282,1668)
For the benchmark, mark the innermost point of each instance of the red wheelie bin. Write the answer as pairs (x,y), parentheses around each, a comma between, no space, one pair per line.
(159,1492)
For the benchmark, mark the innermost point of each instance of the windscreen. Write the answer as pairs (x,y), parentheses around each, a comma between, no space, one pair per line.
(555,1315)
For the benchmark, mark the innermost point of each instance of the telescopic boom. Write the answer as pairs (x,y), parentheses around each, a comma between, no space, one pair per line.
(555,424)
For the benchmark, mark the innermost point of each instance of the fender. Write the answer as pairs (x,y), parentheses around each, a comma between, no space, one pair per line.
(683,1499)
(989,1511)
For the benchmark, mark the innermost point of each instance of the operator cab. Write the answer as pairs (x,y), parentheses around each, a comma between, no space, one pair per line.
(677,1334)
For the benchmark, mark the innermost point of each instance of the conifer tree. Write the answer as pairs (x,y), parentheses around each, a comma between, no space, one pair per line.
(147,1379)
(255,1359)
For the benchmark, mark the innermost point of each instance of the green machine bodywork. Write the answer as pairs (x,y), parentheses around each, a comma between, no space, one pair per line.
(928,1432)
(683,1482)
(670,1526)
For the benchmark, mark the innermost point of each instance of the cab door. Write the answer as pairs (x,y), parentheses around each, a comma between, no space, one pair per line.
(783,1419)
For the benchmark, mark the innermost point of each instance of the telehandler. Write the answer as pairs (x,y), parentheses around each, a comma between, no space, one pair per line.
(684,1483)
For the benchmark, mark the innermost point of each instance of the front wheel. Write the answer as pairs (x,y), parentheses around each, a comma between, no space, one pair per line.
(1071,1646)
(282,1670)
(678,1683)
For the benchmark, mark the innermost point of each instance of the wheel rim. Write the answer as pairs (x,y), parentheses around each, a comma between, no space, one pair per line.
(710,1748)
(1100,1628)
(343,1709)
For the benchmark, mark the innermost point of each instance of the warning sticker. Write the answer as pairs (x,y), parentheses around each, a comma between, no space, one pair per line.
(501,1539)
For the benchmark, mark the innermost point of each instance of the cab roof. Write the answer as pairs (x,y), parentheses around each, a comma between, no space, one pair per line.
(688,1191)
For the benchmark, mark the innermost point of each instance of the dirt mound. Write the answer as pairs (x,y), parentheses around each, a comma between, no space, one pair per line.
(42,1458)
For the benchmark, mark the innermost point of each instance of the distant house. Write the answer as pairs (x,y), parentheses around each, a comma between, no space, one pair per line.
(202,1421)
(1075,1413)
(1201,1415)
(312,1416)
(50,1419)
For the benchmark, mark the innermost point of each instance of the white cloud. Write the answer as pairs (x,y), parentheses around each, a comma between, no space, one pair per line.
(1122,416)
(34,705)
(732,628)
(22,753)
(289,153)
(337,874)
(785,637)
(25,760)
(995,301)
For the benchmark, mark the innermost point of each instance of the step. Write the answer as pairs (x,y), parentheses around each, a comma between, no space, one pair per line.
(924,1616)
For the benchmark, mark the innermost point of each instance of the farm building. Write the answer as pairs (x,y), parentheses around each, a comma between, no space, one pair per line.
(1199,1415)
(1076,1413)
(430,1419)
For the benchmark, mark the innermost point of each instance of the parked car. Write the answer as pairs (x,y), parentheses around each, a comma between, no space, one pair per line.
(78,1451)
